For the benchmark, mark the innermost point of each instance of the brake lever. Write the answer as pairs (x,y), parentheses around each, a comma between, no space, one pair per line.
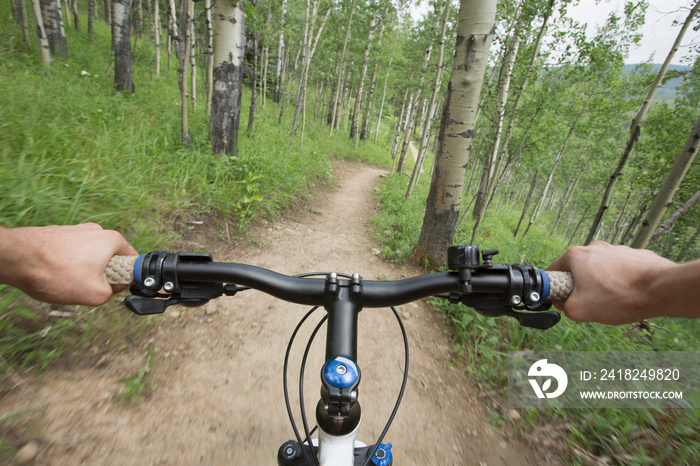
(540,320)
(148,306)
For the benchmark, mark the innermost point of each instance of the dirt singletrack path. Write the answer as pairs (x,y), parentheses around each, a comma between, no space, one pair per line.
(216,386)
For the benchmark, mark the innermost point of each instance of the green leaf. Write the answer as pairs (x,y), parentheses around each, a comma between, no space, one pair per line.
(25,313)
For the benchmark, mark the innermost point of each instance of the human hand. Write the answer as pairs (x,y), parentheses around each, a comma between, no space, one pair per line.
(61,264)
(613,284)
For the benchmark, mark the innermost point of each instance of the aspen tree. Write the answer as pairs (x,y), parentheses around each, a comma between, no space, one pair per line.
(361,88)
(121,44)
(53,25)
(280,57)
(156,36)
(209,19)
(41,34)
(476,19)
(184,52)
(92,7)
(229,44)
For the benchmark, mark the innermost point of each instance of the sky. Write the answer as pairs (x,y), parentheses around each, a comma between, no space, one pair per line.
(658,33)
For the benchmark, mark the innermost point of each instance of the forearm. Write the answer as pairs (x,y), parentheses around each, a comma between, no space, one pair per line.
(675,291)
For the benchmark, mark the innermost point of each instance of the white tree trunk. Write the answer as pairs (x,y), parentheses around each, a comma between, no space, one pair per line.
(53,25)
(474,34)
(209,19)
(41,34)
(280,56)
(229,47)
(361,87)
(335,105)
(156,35)
(121,44)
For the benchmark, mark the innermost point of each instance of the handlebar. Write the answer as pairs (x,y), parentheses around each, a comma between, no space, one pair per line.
(162,278)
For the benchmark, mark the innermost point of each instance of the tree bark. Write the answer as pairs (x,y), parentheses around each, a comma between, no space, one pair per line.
(92,7)
(121,44)
(74,11)
(397,133)
(664,197)
(408,132)
(431,107)
(107,11)
(53,25)
(185,51)
(156,35)
(666,226)
(229,46)
(493,160)
(361,88)
(474,35)
(381,107)
(266,52)
(335,120)
(254,85)
(309,50)
(370,93)
(527,202)
(23,20)
(635,127)
(192,40)
(16,11)
(44,51)
(280,57)
(209,19)
(173,35)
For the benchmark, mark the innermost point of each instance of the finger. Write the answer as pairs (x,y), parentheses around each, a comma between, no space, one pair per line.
(119,288)
(560,264)
(120,247)
(89,226)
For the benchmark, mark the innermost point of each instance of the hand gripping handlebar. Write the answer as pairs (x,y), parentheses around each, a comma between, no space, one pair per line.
(162,278)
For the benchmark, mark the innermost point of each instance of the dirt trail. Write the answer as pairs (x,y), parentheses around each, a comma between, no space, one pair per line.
(216,393)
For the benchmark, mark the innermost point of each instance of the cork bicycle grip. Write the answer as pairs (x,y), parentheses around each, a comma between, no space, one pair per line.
(561,285)
(120,270)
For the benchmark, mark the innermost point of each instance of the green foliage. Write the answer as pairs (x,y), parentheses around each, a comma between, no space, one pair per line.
(137,383)
(482,343)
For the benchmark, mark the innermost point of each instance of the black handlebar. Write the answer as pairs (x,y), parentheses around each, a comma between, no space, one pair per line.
(164,278)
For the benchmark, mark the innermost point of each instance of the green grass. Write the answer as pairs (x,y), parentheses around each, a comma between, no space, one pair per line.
(640,436)
(137,383)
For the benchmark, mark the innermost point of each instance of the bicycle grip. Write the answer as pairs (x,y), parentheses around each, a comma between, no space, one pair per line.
(120,270)
(561,285)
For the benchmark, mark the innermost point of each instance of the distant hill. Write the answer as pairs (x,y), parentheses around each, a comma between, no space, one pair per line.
(667,91)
